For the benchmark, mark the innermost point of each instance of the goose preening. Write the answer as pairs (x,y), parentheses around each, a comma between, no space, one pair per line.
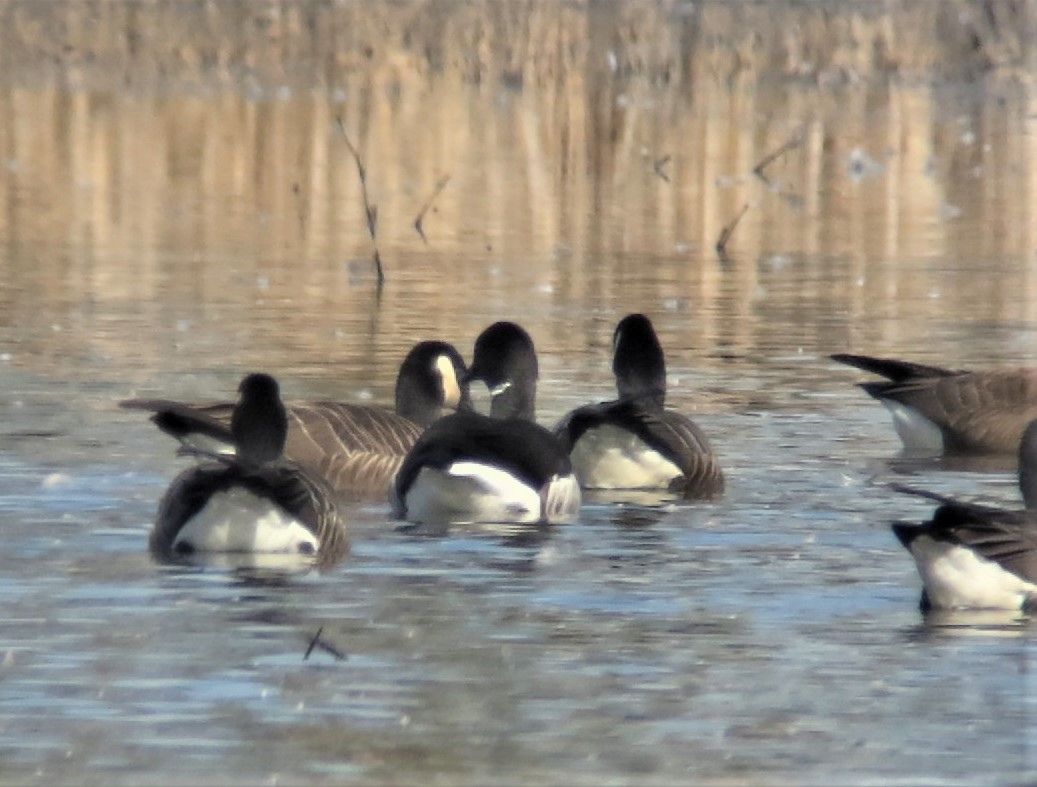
(974,556)
(634,441)
(255,502)
(954,411)
(498,468)
(356,448)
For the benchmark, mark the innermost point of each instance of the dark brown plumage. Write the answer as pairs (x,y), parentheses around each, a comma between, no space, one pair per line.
(261,473)
(356,448)
(637,420)
(1005,537)
(976,412)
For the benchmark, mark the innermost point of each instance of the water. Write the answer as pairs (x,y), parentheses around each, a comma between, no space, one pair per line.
(164,234)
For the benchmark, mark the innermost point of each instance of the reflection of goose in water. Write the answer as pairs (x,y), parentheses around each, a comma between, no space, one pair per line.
(356,448)
(634,442)
(255,503)
(469,467)
(975,556)
(935,409)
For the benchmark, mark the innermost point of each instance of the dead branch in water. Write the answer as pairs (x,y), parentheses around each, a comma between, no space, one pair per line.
(297,191)
(428,204)
(790,198)
(327,647)
(728,231)
(370,211)
(658,164)
(791,144)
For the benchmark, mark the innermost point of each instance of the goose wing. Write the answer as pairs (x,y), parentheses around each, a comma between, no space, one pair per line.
(983,411)
(672,434)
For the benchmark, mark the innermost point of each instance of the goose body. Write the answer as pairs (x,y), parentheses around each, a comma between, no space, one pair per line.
(355,448)
(975,556)
(254,502)
(952,411)
(496,468)
(634,442)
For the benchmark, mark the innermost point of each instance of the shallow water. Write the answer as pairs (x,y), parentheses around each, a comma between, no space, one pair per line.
(155,243)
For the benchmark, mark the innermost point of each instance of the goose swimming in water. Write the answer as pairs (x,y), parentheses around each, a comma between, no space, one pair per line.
(255,501)
(356,448)
(975,556)
(952,411)
(496,468)
(634,442)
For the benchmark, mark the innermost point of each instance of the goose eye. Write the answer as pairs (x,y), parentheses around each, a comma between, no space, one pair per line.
(184,548)
(306,548)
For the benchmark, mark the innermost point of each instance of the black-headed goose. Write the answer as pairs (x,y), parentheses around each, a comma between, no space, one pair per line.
(254,502)
(974,556)
(500,468)
(953,411)
(634,442)
(356,448)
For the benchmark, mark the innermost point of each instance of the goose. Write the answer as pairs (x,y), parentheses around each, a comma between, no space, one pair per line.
(634,442)
(356,448)
(254,502)
(975,556)
(499,468)
(952,411)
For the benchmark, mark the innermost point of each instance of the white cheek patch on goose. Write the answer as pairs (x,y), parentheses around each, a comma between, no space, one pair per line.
(448,378)
(497,390)
(238,521)
(956,577)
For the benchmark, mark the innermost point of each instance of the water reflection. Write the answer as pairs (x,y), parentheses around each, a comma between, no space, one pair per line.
(177,209)
(242,213)
(976,623)
(259,567)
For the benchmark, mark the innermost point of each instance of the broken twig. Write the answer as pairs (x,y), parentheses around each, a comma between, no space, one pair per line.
(327,647)
(728,231)
(428,204)
(657,167)
(297,191)
(370,211)
(791,144)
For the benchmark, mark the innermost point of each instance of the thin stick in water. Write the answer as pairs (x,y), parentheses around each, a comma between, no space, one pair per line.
(729,229)
(791,144)
(297,191)
(657,167)
(327,647)
(370,211)
(428,204)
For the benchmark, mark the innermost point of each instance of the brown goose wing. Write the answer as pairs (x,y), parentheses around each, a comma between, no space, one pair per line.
(669,432)
(345,427)
(682,439)
(1008,538)
(892,369)
(188,422)
(356,449)
(977,411)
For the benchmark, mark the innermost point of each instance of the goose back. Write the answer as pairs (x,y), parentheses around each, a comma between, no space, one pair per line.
(635,442)
(954,411)
(254,501)
(469,467)
(356,448)
(972,555)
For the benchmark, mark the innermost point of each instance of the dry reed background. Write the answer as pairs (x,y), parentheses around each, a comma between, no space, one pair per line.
(144,142)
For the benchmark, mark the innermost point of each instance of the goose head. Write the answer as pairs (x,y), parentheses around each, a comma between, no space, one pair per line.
(505,360)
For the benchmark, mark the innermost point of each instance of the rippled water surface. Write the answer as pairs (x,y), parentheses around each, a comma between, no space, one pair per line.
(164,235)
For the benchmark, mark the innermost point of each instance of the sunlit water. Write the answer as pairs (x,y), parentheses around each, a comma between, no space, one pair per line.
(772,637)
